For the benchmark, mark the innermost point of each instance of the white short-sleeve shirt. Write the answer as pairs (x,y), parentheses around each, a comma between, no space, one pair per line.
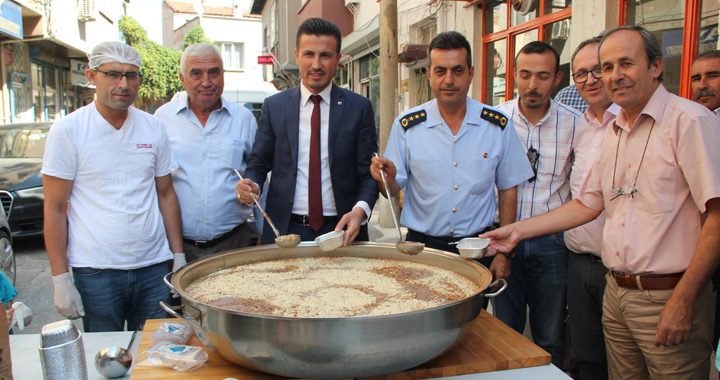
(114,220)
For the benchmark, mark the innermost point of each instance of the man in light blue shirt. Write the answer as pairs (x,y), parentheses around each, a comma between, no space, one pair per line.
(210,136)
(449,154)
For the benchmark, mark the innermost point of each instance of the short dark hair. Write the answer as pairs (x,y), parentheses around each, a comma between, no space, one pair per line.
(708,55)
(319,27)
(594,40)
(451,40)
(540,47)
(652,47)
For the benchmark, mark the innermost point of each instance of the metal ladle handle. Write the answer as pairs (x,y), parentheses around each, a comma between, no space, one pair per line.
(389,198)
(257,202)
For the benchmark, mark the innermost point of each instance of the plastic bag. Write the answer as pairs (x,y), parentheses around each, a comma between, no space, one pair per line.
(175,356)
(172,332)
(22,316)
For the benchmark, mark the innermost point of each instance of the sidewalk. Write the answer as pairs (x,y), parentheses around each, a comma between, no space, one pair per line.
(382,235)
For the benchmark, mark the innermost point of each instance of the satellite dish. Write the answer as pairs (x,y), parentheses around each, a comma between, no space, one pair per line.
(523,6)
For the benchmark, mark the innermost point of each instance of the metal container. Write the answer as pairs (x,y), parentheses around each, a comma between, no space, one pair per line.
(330,240)
(473,248)
(330,348)
(62,353)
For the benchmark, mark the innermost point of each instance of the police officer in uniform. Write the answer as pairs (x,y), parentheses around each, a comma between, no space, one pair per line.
(449,154)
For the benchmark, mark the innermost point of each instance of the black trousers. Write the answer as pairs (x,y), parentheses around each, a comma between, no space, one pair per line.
(442,243)
(585,289)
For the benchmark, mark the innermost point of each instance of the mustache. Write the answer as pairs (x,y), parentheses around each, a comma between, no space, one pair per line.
(533,93)
(316,71)
(705,92)
(450,88)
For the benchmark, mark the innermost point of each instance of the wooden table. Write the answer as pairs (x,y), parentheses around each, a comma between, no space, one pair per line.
(490,346)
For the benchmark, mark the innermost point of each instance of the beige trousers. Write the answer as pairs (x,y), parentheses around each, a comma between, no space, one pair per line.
(630,319)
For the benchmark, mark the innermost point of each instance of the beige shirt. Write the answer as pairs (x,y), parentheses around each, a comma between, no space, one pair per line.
(588,141)
(657,229)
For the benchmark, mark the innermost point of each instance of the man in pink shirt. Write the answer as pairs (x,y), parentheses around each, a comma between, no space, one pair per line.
(657,181)
(586,273)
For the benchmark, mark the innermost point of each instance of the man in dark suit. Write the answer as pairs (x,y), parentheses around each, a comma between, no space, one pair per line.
(318,140)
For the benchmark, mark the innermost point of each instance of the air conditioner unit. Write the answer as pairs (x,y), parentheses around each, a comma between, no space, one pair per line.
(524,6)
(561,30)
(86,10)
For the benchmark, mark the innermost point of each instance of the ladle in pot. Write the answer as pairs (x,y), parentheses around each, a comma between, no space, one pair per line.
(284,241)
(114,362)
(410,248)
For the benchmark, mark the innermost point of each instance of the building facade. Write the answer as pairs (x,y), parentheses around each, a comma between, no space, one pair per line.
(43,63)
(235,32)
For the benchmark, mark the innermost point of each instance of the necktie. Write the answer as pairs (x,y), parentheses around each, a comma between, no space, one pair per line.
(315,206)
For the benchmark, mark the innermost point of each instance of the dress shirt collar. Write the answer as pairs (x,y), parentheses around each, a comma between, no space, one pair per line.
(324,94)
(550,111)
(592,120)
(434,117)
(654,108)
(717,111)
(184,103)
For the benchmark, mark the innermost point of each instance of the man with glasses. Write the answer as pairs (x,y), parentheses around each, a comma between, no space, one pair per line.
(111,213)
(210,137)
(546,130)
(586,272)
(658,182)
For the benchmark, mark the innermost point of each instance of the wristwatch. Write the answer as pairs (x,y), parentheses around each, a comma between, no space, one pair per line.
(509,255)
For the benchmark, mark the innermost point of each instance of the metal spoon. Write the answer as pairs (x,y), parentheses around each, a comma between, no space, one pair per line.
(284,241)
(114,362)
(410,248)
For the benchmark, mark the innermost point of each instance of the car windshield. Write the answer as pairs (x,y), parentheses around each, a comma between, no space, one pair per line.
(23,142)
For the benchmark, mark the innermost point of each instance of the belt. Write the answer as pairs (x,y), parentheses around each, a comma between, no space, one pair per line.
(203,244)
(647,281)
(451,239)
(305,220)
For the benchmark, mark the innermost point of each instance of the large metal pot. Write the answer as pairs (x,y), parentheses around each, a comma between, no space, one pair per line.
(330,348)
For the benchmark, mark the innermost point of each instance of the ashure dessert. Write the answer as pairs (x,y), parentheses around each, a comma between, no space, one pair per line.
(328,287)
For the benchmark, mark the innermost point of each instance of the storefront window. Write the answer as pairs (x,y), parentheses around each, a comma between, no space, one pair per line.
(496,13)
(557,34)
(38,91)
(495,72)
(552,6)
(708,40)
(664,19)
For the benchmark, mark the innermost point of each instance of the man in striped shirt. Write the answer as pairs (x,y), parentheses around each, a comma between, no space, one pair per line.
(546,130)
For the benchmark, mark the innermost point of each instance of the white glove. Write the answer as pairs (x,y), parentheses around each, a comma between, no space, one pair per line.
(178,262)
(67,299)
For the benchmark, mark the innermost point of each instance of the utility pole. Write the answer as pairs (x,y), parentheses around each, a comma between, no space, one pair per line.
(388,87)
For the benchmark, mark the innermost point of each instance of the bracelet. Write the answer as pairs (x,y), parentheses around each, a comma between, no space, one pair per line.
(509,255)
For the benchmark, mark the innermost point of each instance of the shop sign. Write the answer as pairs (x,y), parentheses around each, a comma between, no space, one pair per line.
(11,20)
(77,72)
(265,59)
(672,41)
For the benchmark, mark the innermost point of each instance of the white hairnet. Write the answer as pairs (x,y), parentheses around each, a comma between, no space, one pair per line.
(114,51)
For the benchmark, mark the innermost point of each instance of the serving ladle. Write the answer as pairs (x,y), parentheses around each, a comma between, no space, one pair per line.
(114,362)
(410,248)
(282,241)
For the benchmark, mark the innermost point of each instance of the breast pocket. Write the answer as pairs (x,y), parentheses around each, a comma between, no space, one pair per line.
(656,186)
(482,175)
(425,174)
(234,154)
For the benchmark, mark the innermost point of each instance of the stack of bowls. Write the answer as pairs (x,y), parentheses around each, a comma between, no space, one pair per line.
(62,353)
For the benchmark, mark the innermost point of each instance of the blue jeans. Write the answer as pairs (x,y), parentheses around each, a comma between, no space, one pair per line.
(538,280)
(110,296)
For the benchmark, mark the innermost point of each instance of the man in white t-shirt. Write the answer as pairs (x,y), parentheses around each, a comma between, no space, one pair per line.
(111,213)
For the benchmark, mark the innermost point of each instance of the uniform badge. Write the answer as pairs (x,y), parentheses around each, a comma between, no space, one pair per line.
(494,116)
(412,119)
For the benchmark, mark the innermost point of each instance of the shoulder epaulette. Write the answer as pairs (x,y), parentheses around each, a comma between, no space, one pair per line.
(412,119)
(494,116)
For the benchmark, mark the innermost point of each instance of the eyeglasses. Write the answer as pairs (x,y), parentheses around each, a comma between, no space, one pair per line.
(627,190)
(533,156)
(582,75)
(115,76)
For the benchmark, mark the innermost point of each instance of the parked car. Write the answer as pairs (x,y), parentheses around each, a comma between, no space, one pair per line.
(7,255)
(21,192)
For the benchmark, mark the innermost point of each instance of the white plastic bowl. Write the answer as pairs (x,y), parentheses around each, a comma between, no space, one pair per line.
(330,240)
(473,248)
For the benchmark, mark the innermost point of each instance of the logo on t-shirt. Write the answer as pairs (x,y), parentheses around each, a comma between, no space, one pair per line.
(144,146)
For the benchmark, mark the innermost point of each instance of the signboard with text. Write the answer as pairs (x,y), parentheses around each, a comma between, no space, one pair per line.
(77,72)
(11,19)
(265,59)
